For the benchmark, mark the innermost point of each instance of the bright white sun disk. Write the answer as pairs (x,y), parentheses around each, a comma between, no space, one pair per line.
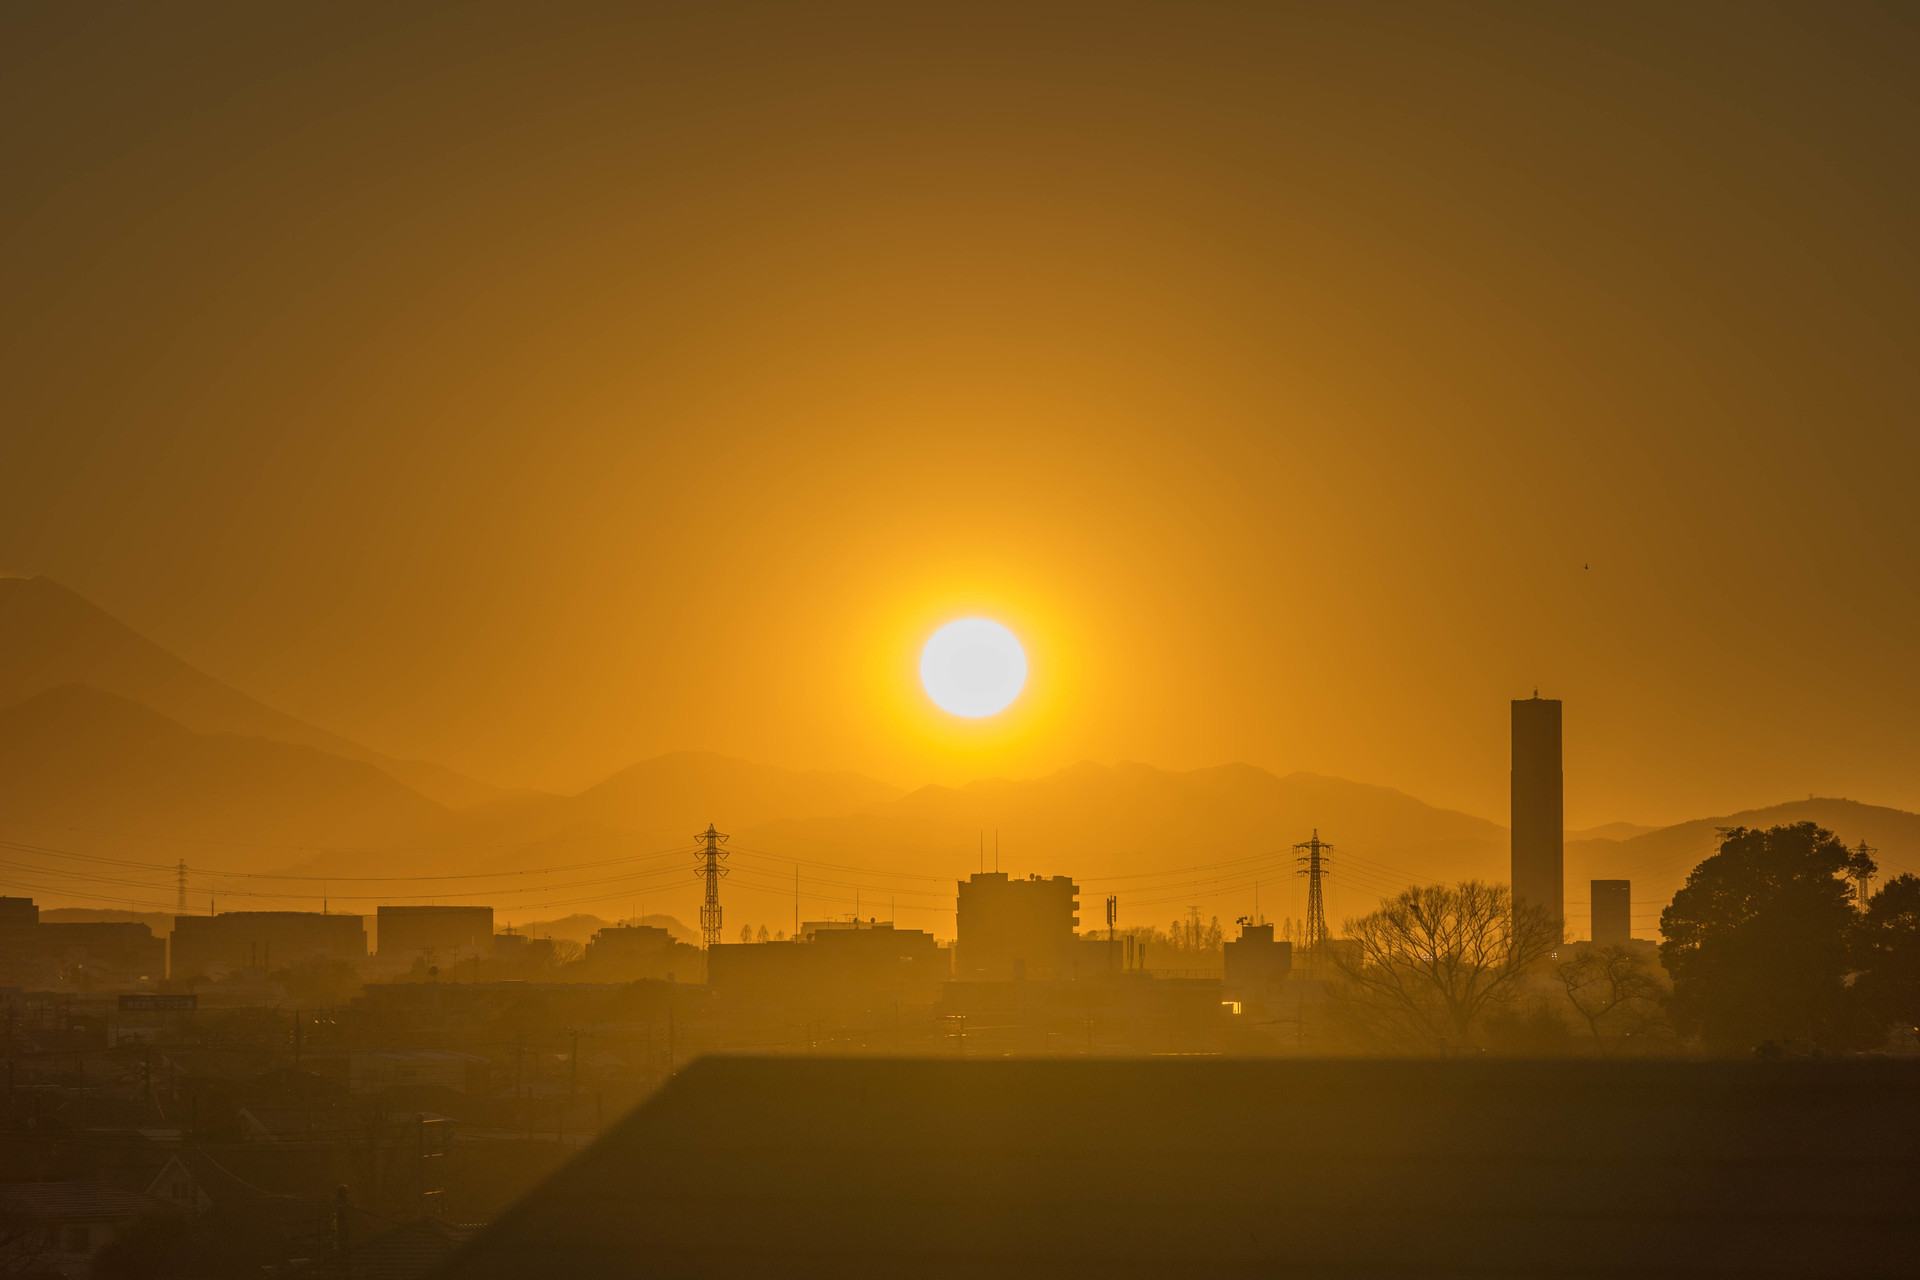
(973,667)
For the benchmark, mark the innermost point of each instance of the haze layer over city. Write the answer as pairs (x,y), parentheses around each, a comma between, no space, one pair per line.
(543,548)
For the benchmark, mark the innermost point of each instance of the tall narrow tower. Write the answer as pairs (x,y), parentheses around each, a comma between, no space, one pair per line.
(710,857)
(1314,867)
(1539,833)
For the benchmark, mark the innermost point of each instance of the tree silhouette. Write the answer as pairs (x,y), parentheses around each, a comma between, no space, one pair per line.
(1423,971)
(1887,947)
(1757,941)
(1614,990)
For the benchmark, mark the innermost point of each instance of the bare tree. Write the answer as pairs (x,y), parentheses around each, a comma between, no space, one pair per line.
(1613,989)
(1423,971)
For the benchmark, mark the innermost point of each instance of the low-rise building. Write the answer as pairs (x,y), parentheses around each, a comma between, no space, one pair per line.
(1256,963)
(238,941)
(441,934)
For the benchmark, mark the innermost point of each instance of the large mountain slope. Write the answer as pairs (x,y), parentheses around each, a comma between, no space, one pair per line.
(91,763)
(50,636)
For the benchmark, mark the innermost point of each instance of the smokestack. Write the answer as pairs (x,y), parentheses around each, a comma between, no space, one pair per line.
(1539,847)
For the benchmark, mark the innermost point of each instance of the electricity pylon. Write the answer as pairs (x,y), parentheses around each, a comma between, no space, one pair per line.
(180,899)
(1314,868)
(1862,871)
(711,871)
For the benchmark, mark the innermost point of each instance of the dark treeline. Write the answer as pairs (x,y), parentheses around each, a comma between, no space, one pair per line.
(1767,950)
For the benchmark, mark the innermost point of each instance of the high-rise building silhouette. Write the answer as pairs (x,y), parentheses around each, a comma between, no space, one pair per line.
(1612,906)
(1015,928)
(1539,834)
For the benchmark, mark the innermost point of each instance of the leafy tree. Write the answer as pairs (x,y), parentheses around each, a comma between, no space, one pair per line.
(1425,971)
(1757,941)
(1887,947)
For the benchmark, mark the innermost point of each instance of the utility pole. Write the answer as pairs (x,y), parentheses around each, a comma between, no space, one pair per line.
(1862,871)
(1314,868)
(709,859)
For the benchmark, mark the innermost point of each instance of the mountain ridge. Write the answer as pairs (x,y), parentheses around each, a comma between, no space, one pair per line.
(51,635)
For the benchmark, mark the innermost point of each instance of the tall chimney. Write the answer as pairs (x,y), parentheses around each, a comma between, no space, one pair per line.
(1539,839)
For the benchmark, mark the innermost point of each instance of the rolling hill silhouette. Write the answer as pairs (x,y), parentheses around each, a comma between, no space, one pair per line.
(50,636)
(1098,822)
(1658,861)
(683,787)
(102,731)
(75,756)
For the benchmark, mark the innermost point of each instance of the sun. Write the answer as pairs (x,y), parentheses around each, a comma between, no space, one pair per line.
(973,667)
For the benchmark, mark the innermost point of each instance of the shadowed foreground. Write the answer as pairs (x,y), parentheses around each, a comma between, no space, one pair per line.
(870,1167)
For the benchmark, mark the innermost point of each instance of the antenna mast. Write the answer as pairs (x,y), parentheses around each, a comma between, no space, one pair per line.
(710,870)
(1314,868)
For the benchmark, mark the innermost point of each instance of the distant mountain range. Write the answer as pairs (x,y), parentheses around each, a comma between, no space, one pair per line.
(50,637)
(77,756)
(113,748)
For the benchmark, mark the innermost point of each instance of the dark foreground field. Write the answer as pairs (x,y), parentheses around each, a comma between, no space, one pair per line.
(810,1167)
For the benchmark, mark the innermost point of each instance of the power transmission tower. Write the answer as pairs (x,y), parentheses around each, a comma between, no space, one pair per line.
(1314,868)
(1113,914)
(1862,871)
(180,899)
(711,871)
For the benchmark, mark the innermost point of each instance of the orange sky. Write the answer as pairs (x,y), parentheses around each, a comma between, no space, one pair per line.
(535,389)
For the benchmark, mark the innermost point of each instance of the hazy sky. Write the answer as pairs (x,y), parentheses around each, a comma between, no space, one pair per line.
(535,388)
